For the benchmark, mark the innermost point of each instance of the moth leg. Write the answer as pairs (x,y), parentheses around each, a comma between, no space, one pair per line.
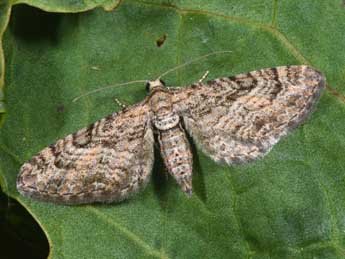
(204,76)
(173,87)
(119,103)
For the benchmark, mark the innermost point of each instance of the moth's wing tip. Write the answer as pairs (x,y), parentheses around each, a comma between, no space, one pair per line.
(25,179)
(318,79)
(189,192)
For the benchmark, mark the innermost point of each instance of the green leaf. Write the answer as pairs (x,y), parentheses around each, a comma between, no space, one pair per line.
(4,18)
(69,6)
(291,204)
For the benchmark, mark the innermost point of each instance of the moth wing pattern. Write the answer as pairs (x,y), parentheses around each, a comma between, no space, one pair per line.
(238,119)
(107,161)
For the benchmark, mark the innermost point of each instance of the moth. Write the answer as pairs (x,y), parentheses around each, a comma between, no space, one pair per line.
(233,120)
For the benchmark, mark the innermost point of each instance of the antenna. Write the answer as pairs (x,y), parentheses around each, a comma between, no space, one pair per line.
(107,87)
(192,61)
(159,77)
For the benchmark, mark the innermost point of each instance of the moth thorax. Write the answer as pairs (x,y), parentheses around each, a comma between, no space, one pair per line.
(161,103)
(151,85)
(166,122)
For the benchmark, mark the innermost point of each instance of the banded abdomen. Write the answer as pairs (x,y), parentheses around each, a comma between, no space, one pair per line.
(173,141)
(177,156)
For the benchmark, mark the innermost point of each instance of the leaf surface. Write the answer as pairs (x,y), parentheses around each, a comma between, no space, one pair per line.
(291,204)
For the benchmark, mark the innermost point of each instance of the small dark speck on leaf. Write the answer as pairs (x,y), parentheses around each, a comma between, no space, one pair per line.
(161,40)
(60,108)
(342,3)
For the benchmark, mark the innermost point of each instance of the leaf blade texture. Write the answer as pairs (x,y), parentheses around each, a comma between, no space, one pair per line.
(289,204)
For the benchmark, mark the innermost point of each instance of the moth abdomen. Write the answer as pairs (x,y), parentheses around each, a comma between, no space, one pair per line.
(177,156)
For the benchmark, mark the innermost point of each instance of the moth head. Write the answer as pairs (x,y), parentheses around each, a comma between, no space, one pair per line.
(151,85)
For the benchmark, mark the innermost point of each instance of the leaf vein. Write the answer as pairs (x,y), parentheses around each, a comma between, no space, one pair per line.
(129,234)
